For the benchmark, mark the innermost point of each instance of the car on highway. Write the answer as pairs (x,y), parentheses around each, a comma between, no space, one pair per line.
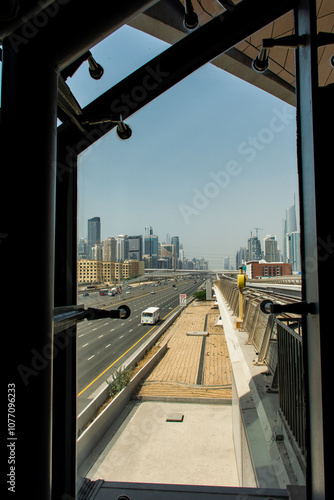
(152,293)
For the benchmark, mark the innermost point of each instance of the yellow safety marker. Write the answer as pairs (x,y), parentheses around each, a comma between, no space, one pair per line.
(112,364)
(241,285)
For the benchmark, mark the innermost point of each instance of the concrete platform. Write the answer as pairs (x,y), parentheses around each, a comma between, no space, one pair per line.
(197,449)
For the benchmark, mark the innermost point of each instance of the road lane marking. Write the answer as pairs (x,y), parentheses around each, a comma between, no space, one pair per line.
(99,375)
(91,357)
(100,337)
(120,357)
(85,345)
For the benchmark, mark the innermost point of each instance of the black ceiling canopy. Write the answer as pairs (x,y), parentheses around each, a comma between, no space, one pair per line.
(170,67)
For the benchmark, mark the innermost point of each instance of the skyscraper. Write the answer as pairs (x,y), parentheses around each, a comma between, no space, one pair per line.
(241,257)
(94,234)
(122,247)
(135,247)
(168,252)
(109,250)
(176,242)
(271,253)
(82,249)
(295,258)
(289,226)
(150,248)
(254,248)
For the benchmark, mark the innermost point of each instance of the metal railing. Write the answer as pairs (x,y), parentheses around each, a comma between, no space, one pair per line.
(291,391)
(279,344)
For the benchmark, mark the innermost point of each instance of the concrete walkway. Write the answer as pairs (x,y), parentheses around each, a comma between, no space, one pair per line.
(179,428)
(194,447)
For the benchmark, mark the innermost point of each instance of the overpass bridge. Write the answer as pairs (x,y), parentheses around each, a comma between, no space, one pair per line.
(172,273)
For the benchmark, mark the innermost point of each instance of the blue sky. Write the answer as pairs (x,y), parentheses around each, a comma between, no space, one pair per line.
(209,160)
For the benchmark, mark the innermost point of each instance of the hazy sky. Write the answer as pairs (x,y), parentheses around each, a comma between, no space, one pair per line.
(210,160)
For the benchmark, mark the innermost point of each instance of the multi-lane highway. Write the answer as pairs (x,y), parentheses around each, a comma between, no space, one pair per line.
(105,344)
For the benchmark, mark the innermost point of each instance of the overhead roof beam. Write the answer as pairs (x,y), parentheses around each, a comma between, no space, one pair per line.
(65,31)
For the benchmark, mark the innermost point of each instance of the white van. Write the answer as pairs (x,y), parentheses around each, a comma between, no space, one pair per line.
(150,316)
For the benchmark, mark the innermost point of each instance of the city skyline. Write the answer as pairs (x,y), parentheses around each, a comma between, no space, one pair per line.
(149,244)
(129,246)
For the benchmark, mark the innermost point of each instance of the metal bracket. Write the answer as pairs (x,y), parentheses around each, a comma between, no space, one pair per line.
(324,38)
(67,316)
(290,41)
(268,307)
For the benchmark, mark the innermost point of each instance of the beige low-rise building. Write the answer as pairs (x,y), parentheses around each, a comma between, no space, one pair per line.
(89,271)
(98,271)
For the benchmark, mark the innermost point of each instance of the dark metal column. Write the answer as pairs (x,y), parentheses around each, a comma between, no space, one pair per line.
(27,179)
(65,362)
(315,165)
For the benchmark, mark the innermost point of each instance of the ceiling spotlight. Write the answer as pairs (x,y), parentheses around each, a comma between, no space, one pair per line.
(95,70)
(123,130)
(190,16)
(261,62)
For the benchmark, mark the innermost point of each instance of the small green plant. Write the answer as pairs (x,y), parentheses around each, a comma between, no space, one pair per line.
(200,295)
(120,379)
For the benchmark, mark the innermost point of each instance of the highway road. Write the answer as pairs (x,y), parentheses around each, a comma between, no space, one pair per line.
(103,345)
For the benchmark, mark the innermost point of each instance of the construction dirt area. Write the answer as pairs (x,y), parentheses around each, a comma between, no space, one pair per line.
(196,364)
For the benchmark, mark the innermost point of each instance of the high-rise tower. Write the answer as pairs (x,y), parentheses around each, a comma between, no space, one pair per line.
(271,253)
(135,247)
(289,227)
(150,248)
(94,234)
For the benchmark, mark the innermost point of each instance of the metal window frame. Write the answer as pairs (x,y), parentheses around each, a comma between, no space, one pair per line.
(22,101)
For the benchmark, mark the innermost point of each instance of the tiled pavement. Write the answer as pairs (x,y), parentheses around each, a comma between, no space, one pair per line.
(190,369)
